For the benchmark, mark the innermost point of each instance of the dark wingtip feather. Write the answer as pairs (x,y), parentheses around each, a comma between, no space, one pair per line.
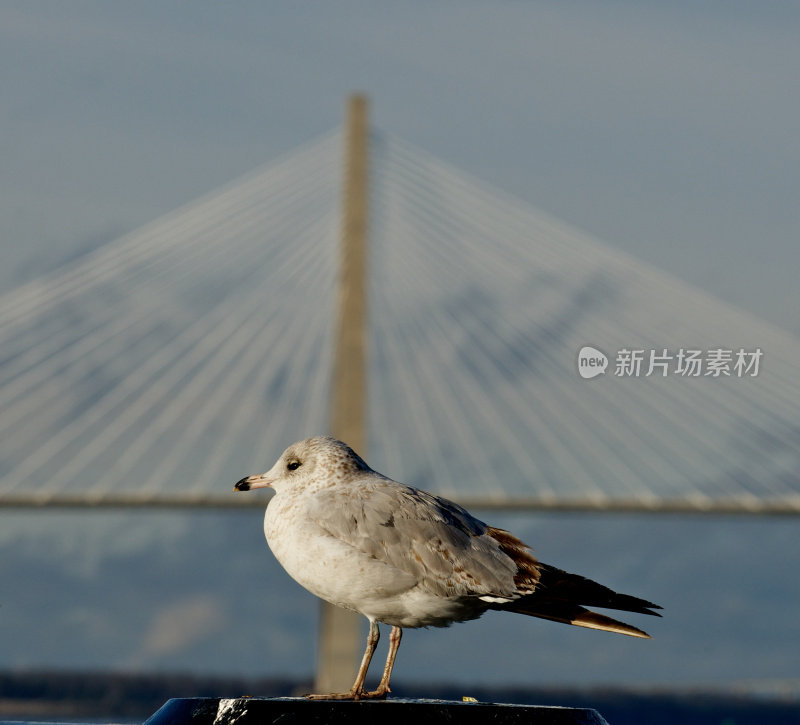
(551,593)
(557,584)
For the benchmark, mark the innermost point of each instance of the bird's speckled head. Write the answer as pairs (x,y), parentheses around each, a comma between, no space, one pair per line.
(318,462)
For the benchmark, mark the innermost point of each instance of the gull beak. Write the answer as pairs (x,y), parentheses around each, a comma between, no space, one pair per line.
(261,481)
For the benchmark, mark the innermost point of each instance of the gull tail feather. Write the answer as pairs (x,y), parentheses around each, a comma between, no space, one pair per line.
(569,613)
(559,596)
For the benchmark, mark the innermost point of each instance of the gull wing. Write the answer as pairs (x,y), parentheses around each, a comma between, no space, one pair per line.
(447,550)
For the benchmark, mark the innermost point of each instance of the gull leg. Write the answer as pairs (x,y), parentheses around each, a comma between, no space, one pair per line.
(357,690)
(383,687)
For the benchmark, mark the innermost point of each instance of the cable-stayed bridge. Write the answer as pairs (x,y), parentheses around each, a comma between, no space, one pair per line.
(169,363)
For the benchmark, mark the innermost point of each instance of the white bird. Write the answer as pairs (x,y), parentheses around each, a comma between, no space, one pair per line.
(408,558)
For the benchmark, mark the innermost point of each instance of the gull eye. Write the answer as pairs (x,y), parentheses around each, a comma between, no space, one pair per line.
(293,465)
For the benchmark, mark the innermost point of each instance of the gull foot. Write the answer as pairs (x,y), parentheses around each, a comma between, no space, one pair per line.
(379,694)
(352,695)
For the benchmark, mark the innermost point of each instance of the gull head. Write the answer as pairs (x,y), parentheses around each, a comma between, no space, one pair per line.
(322,461)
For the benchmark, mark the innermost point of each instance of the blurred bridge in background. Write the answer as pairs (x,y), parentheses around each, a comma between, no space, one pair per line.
(165,365)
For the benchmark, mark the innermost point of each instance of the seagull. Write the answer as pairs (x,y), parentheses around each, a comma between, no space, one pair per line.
(407,558)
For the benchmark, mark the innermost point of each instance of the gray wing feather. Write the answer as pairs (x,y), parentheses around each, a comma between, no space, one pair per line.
(439,543)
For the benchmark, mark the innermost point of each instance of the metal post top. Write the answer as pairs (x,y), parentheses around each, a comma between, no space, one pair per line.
(256,710)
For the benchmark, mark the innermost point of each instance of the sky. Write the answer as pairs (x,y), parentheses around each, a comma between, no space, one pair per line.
(665,129)
(668,130)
